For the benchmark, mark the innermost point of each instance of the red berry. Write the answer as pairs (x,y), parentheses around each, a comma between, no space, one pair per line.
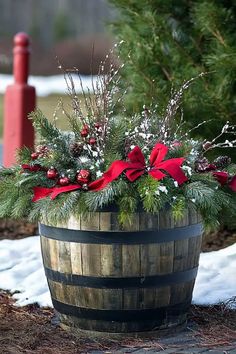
(84,133)
(64,181)
(52,173)
(34,155)
(92,141)
(97,125)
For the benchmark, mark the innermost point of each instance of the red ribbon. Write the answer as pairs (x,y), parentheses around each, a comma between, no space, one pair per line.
(134,168)
(42,192)
(224,178)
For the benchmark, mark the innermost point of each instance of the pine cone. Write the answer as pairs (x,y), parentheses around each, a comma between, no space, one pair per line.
(42,150)
(76,149)
(222,162)
(202,165)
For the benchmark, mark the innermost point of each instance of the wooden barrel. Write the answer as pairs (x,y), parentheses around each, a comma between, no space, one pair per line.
(140,278)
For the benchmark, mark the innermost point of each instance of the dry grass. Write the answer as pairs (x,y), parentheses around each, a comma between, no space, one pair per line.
(216,325)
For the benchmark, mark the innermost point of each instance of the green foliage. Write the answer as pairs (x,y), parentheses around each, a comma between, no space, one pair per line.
(178,208)
(127,203)
(115,143)
(150,195)
(209,201)
(166,42)
(23,155)
(107,196)
(49,133)
(84,156)
(61,26)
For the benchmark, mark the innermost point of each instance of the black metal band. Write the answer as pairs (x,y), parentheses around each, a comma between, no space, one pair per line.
(160,313)
(119,237)
(153,281)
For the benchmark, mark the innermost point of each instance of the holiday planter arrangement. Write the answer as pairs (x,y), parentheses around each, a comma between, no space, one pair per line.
(120,203)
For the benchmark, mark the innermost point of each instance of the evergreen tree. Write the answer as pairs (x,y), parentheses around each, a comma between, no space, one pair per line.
(167,42)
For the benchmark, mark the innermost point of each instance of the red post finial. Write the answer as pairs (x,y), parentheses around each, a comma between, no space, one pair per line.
(21,57)
(19,101)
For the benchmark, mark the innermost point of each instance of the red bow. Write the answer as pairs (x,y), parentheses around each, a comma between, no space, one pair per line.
(157,165)
(134,168)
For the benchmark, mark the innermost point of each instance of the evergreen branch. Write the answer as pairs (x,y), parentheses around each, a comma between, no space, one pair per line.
(23,155)
(178,208)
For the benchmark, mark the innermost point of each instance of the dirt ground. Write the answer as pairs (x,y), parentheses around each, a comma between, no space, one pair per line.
(13,230)
(31,329)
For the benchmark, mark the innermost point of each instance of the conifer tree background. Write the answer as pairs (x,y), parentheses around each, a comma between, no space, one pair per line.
(167,42)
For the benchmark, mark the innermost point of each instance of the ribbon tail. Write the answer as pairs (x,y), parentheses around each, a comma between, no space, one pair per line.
(97,185)
(58,190)
(41,192)
(114,171)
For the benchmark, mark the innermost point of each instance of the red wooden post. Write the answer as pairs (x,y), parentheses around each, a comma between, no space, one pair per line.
(19,101)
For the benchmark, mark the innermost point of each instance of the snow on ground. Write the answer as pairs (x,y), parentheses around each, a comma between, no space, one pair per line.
(46,85)
(21,269)
(216,280)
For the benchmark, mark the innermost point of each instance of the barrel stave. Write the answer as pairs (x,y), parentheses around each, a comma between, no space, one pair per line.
(151,283)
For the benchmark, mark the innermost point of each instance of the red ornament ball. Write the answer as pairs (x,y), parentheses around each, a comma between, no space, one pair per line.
(92,141)
(83,176)
(64,181)
(52,173)
(84,133)
(34,155)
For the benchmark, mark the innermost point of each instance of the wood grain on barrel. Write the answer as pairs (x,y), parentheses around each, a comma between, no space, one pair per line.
(122,261)
(91,259)
(111,260)
(54,253)
(180,255)
(150,259)
(76,258)
(120,299)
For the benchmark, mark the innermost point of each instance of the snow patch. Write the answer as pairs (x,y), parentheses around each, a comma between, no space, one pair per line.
(47,85)
(21,269)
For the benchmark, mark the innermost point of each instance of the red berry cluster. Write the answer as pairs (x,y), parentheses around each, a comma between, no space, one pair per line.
(82,177)
(41,151)
(85,132)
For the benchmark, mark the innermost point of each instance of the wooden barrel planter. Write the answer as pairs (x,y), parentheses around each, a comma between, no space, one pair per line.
(137,279)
